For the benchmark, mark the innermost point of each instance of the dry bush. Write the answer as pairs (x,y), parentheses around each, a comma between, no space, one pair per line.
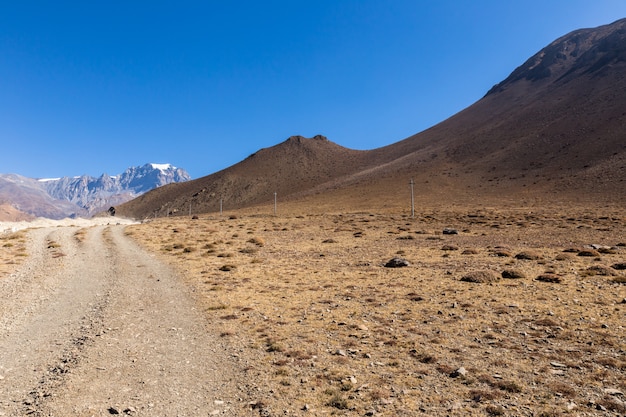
(528,256)
(513,274)
(480,277)
(259,241)
(401,330)
(550,278)
(589,253)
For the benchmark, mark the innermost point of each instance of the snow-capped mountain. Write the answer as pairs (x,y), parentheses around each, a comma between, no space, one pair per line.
(84,195)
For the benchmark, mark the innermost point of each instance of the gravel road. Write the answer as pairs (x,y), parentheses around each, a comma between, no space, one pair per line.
(97,326)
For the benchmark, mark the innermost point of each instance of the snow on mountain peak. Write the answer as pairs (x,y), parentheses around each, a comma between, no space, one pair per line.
(163,167)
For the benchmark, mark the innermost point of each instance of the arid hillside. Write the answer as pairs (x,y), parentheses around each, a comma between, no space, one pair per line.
(554,129)
(9,213)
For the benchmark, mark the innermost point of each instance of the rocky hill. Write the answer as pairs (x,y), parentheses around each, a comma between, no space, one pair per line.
(553,129)
(84,195)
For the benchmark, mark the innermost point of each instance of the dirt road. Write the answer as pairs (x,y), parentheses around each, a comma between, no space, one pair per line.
(92,325)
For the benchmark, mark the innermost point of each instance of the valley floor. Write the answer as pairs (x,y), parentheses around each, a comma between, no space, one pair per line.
(325,328)
(297,315)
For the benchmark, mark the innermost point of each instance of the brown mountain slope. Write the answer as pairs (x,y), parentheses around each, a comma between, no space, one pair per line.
(291,167)
(554,129)
(8,213)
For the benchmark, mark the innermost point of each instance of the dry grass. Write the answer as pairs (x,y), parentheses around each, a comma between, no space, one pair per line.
(325,327)
(12,251)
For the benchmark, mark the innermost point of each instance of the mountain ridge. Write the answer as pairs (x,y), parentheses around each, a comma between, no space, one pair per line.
(83,196)
(553,129)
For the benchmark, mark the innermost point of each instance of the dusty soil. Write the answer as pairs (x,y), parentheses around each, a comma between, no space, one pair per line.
(326,329)
(92,325)
(295,314)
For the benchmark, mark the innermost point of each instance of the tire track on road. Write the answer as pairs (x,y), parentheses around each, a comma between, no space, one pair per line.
(114,331)
(47,308)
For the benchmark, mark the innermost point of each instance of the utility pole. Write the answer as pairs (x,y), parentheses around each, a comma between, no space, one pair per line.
(412,200)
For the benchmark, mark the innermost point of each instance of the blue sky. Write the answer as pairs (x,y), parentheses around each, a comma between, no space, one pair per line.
(89,87)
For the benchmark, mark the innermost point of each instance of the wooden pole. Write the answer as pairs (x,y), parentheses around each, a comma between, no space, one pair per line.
(412,200)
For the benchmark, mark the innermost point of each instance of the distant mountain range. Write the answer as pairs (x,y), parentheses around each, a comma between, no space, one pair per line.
(552,131)
(82,196)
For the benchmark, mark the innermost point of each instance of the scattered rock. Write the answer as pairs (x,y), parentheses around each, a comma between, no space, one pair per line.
(480,277)
(558,365)
(459,372)
(450,231)
(449,247)
(513,274)
(397,263)
(613,391)
(551,278)
(113,410)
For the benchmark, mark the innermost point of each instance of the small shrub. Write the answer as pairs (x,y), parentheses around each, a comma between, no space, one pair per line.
(227,268)
(550,278)
(273,346)
(469,252)
(513,274)
(338,402)
(495,410)
(479,395)
(613,404)
(259,241)
(528,256)
(598,270)
(480,277)
(508,386)
(589,253)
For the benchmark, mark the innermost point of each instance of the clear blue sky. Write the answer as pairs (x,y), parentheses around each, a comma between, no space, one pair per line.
(88,87)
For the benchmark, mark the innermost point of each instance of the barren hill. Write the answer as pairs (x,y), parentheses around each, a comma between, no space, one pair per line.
(8,213)
(294,166)
(554,129)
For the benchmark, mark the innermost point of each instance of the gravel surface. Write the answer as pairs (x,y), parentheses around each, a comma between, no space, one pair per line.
(92,325)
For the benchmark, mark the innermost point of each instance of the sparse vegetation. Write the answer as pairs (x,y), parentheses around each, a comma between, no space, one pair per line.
(328,326)
(12,251)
